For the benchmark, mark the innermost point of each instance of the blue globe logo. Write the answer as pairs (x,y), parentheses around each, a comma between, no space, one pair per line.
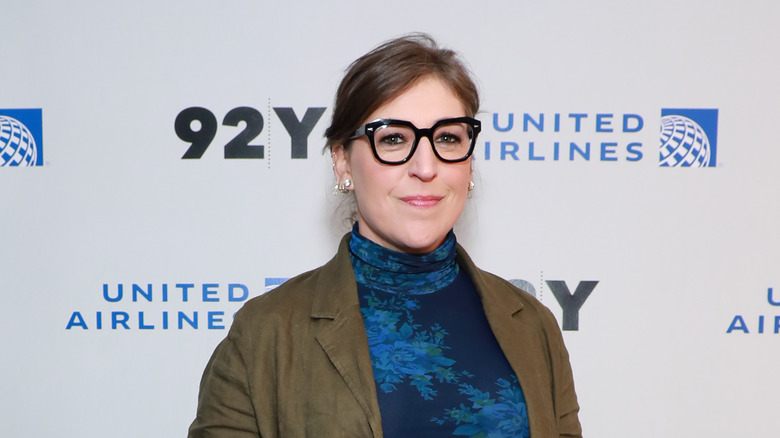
(17,145)
(683,143)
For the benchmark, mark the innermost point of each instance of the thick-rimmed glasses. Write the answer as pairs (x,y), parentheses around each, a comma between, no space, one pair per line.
(394,141)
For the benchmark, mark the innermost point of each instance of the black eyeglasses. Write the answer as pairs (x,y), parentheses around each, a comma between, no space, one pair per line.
(394,141)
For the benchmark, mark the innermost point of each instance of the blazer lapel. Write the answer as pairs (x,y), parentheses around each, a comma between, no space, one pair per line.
(504,309)
(342,334)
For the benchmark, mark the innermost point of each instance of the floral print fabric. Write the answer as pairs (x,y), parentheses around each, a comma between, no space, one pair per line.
(438,369)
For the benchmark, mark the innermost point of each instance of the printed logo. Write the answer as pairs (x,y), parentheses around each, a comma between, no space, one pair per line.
(166,306)
(21,139)
(689,137)
(565,137)
(198,126)
(570,303)
(742,323)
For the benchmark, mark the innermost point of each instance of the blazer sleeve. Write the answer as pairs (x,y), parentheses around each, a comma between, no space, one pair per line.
(225,408)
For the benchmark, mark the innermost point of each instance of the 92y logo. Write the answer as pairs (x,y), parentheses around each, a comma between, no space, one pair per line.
(239,147)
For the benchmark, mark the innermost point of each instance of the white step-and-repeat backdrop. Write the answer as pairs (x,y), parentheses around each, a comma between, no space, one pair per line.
(160,163)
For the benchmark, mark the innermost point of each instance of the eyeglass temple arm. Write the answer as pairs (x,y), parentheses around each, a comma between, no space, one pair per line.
(359,132)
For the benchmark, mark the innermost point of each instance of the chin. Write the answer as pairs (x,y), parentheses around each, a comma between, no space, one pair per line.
(423,242)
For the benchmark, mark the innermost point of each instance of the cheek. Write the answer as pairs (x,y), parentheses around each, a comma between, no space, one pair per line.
(459,179)
(373,185)
(372,182)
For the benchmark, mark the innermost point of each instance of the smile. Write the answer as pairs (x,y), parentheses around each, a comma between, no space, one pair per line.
(422,201)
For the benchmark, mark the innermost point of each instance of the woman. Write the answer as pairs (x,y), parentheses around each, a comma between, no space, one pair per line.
(399,334)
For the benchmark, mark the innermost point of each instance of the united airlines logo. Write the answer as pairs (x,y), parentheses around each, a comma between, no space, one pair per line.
(689,137)
(21,142)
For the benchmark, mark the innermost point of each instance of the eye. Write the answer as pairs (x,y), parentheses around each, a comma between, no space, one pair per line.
(447,138)
(392,139)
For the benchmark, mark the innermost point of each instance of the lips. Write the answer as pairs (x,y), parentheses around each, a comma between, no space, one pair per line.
(422,201)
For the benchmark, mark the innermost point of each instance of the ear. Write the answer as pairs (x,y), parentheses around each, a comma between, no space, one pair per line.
(340,163)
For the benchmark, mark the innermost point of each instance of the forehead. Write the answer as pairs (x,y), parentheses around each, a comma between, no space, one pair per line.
(424,103)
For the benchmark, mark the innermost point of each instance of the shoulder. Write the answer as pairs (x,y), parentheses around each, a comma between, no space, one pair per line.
(500,293)
(265,322)
(529,301)
(500,283)
(323,291)
(290,296)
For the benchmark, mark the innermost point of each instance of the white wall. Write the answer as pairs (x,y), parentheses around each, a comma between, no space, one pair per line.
(678,253)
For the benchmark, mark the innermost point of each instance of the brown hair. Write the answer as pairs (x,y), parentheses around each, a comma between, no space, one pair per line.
(389,70)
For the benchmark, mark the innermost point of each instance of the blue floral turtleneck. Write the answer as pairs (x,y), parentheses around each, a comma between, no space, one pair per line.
(438,369)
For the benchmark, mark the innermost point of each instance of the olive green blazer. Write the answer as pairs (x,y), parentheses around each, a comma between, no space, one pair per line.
(295,362)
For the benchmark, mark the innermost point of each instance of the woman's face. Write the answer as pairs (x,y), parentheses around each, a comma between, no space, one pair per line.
(408,207)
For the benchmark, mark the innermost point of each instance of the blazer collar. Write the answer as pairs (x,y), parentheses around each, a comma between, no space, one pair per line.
(495,302)
(336,288)
(341,333)
(517,331)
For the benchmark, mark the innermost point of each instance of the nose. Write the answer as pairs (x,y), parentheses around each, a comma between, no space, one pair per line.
(423,164)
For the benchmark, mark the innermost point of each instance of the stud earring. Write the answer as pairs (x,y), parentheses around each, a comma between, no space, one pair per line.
(471,185)
(342,187)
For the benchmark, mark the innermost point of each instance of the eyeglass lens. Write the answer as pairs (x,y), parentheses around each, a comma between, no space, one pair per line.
(394,143)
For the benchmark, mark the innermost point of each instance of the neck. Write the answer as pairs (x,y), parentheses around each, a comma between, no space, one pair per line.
(392,271)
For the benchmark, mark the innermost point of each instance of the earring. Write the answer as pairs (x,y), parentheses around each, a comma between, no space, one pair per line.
(342,187)
(471,185)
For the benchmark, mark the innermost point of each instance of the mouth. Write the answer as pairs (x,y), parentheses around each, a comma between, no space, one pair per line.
(422,201)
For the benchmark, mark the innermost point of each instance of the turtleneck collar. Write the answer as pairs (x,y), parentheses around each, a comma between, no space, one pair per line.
(392,271)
